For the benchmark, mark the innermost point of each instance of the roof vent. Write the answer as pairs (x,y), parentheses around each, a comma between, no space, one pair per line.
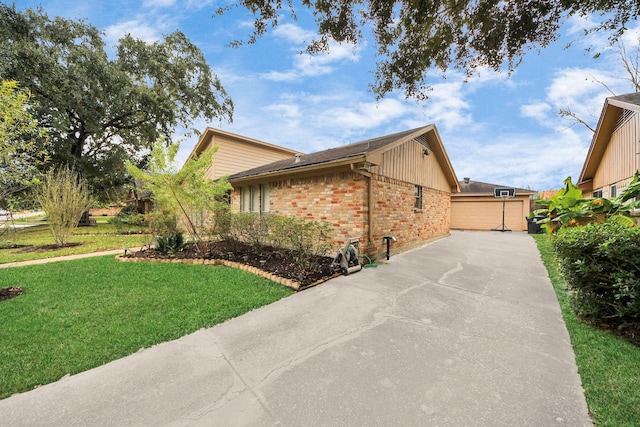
(298,156)
(466,180)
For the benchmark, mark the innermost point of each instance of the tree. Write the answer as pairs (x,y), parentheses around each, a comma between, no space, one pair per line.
(415,36)
(187,192)
(22,143)
(630,62)
(100,111)
(64,196)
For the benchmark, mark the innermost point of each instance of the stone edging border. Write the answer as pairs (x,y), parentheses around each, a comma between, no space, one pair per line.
(200,261)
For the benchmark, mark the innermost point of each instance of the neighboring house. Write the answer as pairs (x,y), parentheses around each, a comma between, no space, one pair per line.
(476,208)
(397,185)
(614,154)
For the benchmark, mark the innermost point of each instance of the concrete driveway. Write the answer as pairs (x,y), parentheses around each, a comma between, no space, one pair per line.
(465,331)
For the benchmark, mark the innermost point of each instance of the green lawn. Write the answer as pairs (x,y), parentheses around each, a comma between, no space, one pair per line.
(76,315)
(608,365)
(93,239)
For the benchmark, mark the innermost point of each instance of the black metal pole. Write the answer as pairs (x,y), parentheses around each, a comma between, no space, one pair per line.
(388,246)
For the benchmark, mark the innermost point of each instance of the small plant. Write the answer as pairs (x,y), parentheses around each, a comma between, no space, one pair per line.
(170,243)
(186,192)
(64,196)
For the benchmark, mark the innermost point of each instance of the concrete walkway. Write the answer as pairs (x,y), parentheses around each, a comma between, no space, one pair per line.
(463,332)
(61,258)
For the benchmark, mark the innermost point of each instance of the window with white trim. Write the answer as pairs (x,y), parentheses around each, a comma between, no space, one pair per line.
(613,190)
(597,193)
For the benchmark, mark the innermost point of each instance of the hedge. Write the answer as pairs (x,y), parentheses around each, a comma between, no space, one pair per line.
(601,264)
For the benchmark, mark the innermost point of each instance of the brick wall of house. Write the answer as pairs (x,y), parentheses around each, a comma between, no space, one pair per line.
(341,199)
(394,215)
(338,198)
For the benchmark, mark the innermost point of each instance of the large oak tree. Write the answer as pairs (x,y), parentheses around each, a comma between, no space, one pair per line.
(416,36)
(22,144)
(101,111)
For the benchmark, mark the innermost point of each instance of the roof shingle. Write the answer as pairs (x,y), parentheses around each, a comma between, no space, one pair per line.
(477,187)
(344,152)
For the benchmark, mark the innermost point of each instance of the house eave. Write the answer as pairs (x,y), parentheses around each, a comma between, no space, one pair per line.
(281,173)
(606,123)
(375,156)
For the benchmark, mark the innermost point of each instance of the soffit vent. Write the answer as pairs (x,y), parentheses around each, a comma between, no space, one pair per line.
(625,115)
(422,139)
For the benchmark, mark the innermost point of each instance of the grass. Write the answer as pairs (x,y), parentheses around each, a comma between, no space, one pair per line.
(608,365)
(92,239)
(76,315)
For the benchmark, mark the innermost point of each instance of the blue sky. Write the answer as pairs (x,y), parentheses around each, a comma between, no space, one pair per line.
(496,128)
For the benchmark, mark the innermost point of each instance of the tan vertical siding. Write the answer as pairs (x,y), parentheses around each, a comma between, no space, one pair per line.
(235,156)
(619,161)
(407,163)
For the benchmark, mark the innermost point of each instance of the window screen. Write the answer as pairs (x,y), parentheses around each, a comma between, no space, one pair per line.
(417,192)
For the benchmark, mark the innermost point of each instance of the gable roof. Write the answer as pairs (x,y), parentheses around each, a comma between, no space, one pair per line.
(468,187)
(613,109)
(210,132)
(368,150)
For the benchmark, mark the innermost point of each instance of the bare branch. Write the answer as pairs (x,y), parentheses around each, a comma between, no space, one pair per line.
(572,116)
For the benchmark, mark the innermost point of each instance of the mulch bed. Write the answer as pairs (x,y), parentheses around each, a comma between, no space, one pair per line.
(10,292)
(279,262)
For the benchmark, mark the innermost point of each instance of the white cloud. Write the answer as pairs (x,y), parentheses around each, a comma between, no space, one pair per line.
(137,28)
(519,159)
(364,115)
(294,34)
(158,3)
(303,64)
(538,111)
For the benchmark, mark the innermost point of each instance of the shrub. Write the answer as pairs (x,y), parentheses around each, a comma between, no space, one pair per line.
(601,265)
(128,219)
(302,239)
(306,239)
(162,223)
(170,243)
(64,196)
(128,210)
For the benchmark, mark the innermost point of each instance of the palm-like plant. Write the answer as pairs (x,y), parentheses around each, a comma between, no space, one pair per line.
(568,208)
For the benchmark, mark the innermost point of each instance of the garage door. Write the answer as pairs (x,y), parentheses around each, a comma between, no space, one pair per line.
(487,215)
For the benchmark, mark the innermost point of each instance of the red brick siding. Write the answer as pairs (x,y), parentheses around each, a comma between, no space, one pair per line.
(341,200)
(338,198)
(394,214)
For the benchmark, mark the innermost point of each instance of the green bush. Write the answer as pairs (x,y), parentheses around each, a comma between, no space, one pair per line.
(162,223)
(128,220)
(304,240)
(170,243)
(601,263)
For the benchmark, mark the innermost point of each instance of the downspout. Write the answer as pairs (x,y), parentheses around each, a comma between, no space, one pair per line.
(369,203)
